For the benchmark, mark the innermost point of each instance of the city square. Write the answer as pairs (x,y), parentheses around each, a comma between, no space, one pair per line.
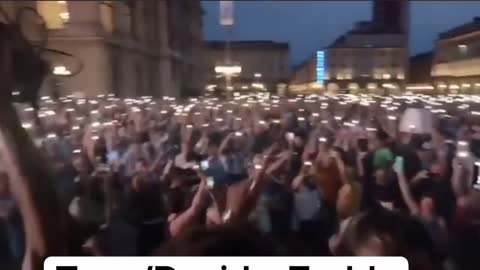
(169,128)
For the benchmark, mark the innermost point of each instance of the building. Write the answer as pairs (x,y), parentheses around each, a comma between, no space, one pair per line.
(420,79)
(391,16)
(129,48)
(372,57)
(185,42)
(309,76)
(368,60)
(456,63)
(265,65)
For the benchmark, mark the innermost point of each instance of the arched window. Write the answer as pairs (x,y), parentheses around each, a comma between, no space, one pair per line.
(106,16)
(55,13)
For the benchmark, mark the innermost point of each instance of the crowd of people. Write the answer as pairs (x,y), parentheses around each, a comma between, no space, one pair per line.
(256,174)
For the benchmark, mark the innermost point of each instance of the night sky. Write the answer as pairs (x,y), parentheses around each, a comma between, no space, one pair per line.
(311,25)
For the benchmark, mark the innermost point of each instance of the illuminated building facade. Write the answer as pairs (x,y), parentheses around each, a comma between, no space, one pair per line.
(129,48)
(261,65)
(369,61)
(310,75)
(372,57)
(456,62)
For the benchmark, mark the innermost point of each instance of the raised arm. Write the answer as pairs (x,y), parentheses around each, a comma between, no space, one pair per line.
(225,143)
(342,168)
(186,219)
(406,193)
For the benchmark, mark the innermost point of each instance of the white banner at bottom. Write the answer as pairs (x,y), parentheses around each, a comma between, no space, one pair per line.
(226,263)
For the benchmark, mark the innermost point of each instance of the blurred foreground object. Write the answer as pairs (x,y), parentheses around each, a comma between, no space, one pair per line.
(27,37)
(418,121)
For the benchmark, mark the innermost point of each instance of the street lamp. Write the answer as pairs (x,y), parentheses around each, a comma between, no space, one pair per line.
(228,69)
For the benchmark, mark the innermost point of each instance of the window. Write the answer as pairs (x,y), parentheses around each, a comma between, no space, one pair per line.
(55,13)
(394,62)
(106,16)
(139,78)
(132,18)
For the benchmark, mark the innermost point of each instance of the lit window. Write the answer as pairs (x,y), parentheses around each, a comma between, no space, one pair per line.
(353,86)
(106,15)
(372,86)
(61,70)
(55,13)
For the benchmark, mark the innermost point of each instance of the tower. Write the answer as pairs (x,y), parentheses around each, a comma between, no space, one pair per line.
(392,15)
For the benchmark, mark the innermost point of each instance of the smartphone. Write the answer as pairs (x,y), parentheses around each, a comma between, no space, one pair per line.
(226,216)
(290,136)
(462,154)
(462,143)
(238,134)
(204,165)
(476,185)
(398,166)
(363,145)
(322,139)
(307,163)
(113,156)
(210,182)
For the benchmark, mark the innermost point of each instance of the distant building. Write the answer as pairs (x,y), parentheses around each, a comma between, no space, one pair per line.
(265,65)
(372,57)
(391,16)
(456,63)
(185,43)
(129,48)
(366,59)
(420,68)
(419,78)
(310,75)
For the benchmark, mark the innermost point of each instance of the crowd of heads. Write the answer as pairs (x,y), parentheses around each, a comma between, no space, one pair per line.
(259,174)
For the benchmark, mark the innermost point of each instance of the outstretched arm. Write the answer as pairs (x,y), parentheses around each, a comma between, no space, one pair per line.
(186,219)
(407,194)
(30,179)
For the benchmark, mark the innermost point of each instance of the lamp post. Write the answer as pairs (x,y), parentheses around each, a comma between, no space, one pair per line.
(227,20)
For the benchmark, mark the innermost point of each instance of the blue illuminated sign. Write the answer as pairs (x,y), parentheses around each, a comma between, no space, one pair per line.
(320,67)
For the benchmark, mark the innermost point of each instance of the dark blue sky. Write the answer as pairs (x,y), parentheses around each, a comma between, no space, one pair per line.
(310,25)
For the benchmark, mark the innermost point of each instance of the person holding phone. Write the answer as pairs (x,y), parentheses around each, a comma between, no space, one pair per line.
(384,190)
(425,209)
